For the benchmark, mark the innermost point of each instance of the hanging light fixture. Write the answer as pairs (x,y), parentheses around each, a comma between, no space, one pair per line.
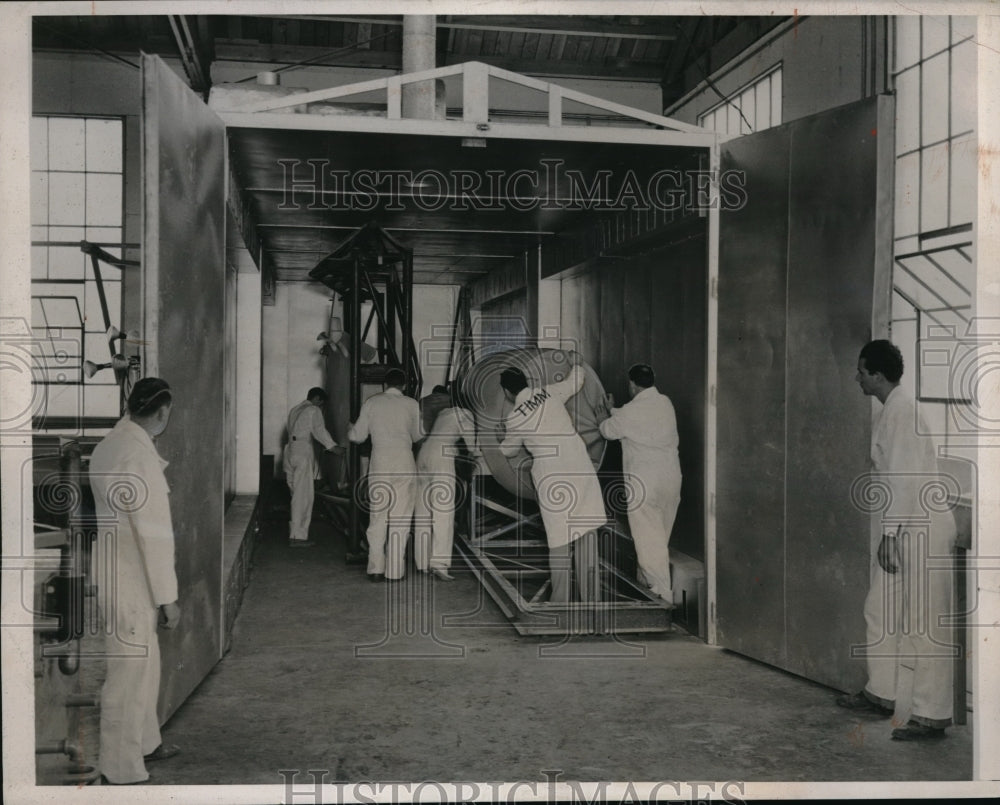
(119,363)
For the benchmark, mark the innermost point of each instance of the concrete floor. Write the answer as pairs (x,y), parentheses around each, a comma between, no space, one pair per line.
(323,676)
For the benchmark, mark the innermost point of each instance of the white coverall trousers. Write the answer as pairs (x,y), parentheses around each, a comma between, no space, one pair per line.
(434,517)
(391,496)
(651,521)
(910,667)
(129,725)
(300,471)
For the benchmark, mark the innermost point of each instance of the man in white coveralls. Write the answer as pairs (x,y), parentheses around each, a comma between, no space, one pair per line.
(562,472)
(393,422)
(305,423)
(437,489)
(907,651)
(137,584)
(647,428)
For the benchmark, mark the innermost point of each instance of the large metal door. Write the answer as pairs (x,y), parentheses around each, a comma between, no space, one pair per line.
(183,278)
(802,270)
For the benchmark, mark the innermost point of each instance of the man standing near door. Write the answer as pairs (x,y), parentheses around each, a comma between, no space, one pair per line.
(907,651)
(647,428)
(135,579)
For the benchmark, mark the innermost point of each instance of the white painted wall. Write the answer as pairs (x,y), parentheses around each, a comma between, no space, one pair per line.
(248,397)
(291,360)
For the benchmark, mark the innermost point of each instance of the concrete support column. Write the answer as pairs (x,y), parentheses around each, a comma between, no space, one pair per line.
(419,52)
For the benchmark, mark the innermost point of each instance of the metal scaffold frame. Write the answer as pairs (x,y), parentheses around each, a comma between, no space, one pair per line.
(505,548)
(372,266)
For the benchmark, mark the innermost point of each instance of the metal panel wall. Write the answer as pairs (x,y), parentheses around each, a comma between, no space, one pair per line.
(750,479)
(831,262)
(651,308)
(184,303)
(797,276)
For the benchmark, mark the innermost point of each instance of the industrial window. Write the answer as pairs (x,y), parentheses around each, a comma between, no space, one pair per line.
(755,107)
(933,267)
(76,194)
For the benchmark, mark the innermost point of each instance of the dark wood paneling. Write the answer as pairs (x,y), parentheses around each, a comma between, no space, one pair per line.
(829,318)
(750,485)
(184,272)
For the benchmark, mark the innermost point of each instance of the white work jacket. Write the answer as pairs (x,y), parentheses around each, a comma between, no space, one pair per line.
(393,422)
(305,423)
(569,494)
(906,462)
(132,504)
(437,453)
(647,428)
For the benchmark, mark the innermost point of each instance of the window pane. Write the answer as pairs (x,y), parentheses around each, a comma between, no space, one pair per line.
(104,199)
(104,145)
(749,109)
(963,88)
(934,99)
(763,104)
(908,111)
(39,143)
(39,262)
(101,400)
(935,35)
(901,309)
(934,188)
(63,400)
(907,41)
(39,198)
(963,180)
(907,220)
(93,313)
(66,199)
(776,98)
(67,263)
(66,144)
(732,119)
(962,28)
(106,234)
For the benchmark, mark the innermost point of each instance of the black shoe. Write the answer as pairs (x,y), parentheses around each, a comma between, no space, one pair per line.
(162,752)
(861,703)
(915,731)
(106,781)
(376,578)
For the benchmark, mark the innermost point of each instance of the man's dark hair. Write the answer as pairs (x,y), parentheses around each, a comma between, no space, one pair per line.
(316,392)
(148,396)
(439,389)
(395,378)
(513,380)
(642,375)
(883,356)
